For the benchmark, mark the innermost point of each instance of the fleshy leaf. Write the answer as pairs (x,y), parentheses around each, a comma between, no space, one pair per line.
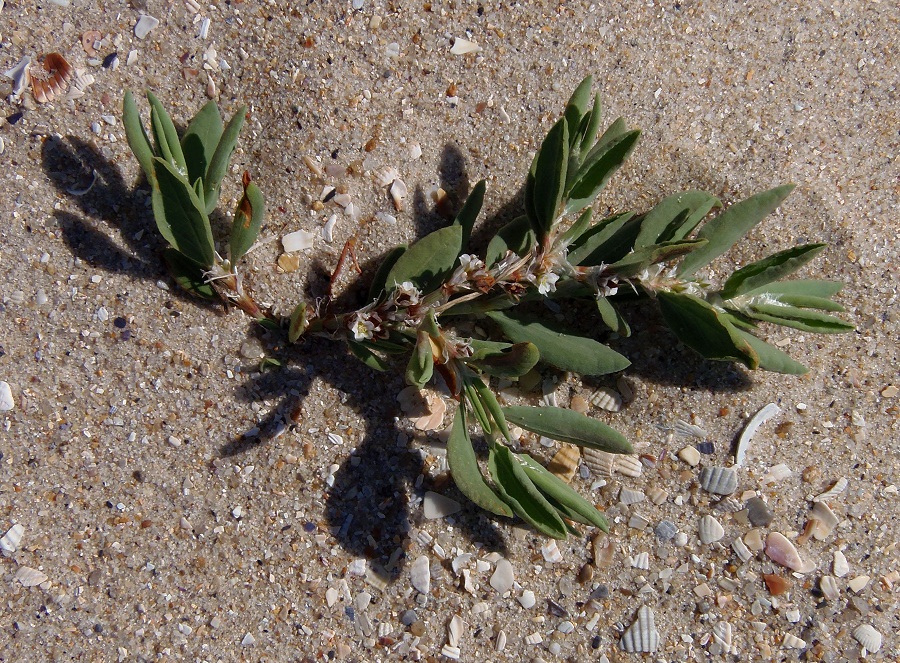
(218,164)
(465,470)
(597,169)
(298,322)
(577,229)
(166,136)
(645,256)
(559,348)
(470,210)
(503,359)
(137,137)
(674,210)
(200,140)
(429,261)
(612,318)
(684,224)
(180,216)
(805,301)
(248,218)
(492,407)
(516,236)
(557,489)
(549,179)
(701,327)
(802,287)
(773,268)
(368,357)
(607,241)
(187,274)
(478,409)
(732,224)
(798,318)
(576,110)
(568,426)
(590,126)
(771,358)
(377,288)
(421,362)
(522,495)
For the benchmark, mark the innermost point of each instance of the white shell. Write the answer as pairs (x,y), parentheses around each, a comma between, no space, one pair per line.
(829,587)
(20,76)
(144,25)
(741,550)
(551,552)
(502,578)
(719,480)
(710,530)
(777,473)
(684,429)
(501,641)
(464,46)
(782,551)
(791,641)
(826,520)
(298,241)
(722,636)
(642,635)
(398,193)
(757,420)
(607,464)
(386,175)
(607,399)
(840,567)
(640,561)
(328,228)
(7,402)
(455,630)
(868,637)
(420,575)
(30,577)
(628,496)
(10,541)
(839,487)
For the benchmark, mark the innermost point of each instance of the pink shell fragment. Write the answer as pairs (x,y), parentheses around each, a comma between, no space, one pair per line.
(783,552)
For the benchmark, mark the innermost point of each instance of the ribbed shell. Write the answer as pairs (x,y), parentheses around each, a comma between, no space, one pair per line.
(868,637)
(607,399)
(642,635)
(719,480)
(607,464)
(710,530)
(565,462)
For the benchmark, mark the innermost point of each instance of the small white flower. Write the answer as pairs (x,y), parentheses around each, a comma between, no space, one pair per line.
(406,294)
(546,282)
(470,263)
(362,327)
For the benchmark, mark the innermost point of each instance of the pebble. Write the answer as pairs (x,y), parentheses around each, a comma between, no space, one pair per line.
(690,455)
(420,574)
(144,25)
(759,514)
(890,391)
(248,640)
(502,579)
(527,600)
(6,398)
(438,506)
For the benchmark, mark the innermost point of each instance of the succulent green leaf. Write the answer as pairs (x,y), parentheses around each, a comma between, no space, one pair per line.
(549,180)
(298,322)
(577,229)
(596,170)
(590,125)
(516,236)
(771,358)
(366,356)
(559,491)
(180,216)
(612,318)
(798,318)
(576,110)
(684,224)
(491,407)
(503,359)
(675,209)
(200,140)
(378,286)
(568,426)
(218,163)
(767,270)
(187,274)
(802,287)
(421,362)
(559,348)
(478,409)
(804,301)
(166,136)
(428,262)
(645,256)
(470,210)
(137,137)
(465,470)
(732,224)
(607,241)
(248,219)
(701,327)
(522,495)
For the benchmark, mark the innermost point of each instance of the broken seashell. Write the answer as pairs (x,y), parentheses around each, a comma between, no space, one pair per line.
(791,641)
(757,420)
(398,193)
(684,429)
(628,496)
(299,240)
(565,463)
(502,579)
(21,77)
(10,541)
(776,584)
(607,464)
(722,636)
(777,473)
(821,523)
(328,228)
(839,487)
(829,587)
(386,175)
(640,561)
(60,73)
(436,505)
(626,389)
(710,530)
(420,575)
(604,547)
(868,637)
(463,47)
(551,552)
(30,577)
(783,552)
(455,630)
(607,399)
(89,42)
(435,418)
(642,635)
(719,480)
(840,566)
(144,25)
(657,495)
(741,550)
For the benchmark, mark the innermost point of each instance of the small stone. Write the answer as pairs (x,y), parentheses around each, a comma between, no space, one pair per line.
(776,584)
(420,575)
(890,391)
(438,506)
(502,578)
(690,455)
(858,584)
(417,628)
(665,530)
(527,599)
(759,513)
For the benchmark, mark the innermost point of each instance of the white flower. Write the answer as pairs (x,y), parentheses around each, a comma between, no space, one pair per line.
(362,327)
(406,294)
(546,282)
(470,263)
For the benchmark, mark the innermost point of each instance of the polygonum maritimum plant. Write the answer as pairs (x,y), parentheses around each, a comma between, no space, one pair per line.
(555,251)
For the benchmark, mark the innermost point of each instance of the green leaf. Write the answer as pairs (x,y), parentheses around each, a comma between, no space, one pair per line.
(684,224)
(377,288)
(674,209)
(470,210)
(558,490)
(771,358)
(166,136)
(428,262)
(187,274)
(568,426)
(465,471)
(612,318)
(421,362)
(773,268)
(701,327)
(522,495)
(798,318)
(137,136)
(549,180)
(503,359)
(298,323)
(802,287)
(607,241)
(596,170)
(578,228)
(804,301)
(248,219)
(218,164)
(559,348)
(180,216)
(200,140)
(732,224)
(478,408)
(492,407)
(368,357)
(590,125)
(645,256)
(516,236)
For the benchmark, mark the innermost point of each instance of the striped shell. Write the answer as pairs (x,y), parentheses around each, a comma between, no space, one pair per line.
(719,480)
(791,641)
(607,464)
(565,463)
(868,637)
(839,487)
(710,530)
(60,73)
(642,635)
(607,399)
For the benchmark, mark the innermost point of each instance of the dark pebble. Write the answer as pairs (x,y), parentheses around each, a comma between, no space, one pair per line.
(15,117)
(120,322)
(109,59)
(601,593)
(706,448)
(758,512)
(595,642)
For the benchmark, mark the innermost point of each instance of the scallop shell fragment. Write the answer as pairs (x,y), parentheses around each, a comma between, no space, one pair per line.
(757,420)
(420,575)
(20,77)
(463,47)
(10,541)
(30,577)
(791,641)
(829,587)
(60,73)
(565,463)
(868,637)
(710,530)
(719,480)
(607,464)
(839,487)
(783,552)
(607,399)
(642,635)
(722,637)
(628,496)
